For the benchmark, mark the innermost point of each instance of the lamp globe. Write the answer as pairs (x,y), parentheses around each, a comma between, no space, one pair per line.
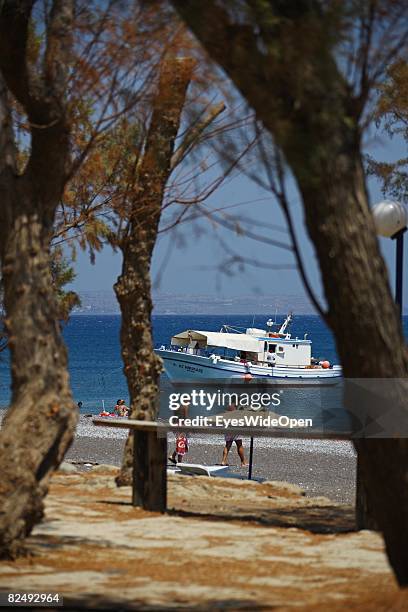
(390,218)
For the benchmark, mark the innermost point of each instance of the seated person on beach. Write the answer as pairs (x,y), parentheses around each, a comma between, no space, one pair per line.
(229,439)
(181,438)
(121,409)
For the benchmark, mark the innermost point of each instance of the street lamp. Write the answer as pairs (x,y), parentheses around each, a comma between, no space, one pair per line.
(391,220)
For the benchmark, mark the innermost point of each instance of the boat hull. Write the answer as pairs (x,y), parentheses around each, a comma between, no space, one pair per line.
(183,367)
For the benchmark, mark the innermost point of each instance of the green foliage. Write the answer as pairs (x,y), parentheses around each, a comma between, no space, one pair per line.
(391,115)
(393,177)
(62,274)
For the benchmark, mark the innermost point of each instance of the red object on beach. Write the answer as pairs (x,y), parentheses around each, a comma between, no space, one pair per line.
(181,445)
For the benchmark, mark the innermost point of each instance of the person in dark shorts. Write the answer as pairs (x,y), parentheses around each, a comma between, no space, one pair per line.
(229,439)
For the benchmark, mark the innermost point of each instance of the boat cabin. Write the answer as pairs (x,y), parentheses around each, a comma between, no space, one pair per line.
(255,346)
(289,351)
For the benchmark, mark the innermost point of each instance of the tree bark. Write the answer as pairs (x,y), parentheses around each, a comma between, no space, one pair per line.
(133,289)
(286,71)
(40,422)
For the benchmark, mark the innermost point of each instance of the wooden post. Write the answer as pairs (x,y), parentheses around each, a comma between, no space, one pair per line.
(361,498)
(251,456)
(364,518)
(149,471)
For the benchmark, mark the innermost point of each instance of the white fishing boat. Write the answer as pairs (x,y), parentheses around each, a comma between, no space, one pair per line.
(253,354)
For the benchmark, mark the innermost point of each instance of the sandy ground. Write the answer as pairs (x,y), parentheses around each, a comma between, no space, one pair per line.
(320,467)
(224,544)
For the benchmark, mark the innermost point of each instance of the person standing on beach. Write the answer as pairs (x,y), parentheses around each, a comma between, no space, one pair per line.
(229,439)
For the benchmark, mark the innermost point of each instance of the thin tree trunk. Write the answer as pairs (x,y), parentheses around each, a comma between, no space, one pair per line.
(39,425)
(133,288)
(285,69)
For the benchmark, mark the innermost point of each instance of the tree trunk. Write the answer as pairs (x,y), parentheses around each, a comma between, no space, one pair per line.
(149,471)
(283,64)
(40,423)
(141,365)
(368,332)
(133,289)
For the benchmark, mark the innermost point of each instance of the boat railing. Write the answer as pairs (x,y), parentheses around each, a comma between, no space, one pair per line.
(187,350)
(202,352)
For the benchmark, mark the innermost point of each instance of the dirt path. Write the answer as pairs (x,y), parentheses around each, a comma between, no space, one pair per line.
(224,544)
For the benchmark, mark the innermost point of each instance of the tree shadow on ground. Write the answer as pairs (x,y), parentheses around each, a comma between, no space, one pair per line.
(316,519)
(320,520)
(99,602)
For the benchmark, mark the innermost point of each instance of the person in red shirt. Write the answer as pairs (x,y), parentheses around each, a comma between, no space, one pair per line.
(181,438)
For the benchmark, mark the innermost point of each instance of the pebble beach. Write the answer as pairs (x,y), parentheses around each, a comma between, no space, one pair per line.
(320,467)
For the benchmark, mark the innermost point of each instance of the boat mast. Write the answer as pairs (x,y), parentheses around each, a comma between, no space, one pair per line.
(286,323)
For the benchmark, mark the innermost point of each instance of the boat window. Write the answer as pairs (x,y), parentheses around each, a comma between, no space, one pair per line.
(280,349)
(272,348)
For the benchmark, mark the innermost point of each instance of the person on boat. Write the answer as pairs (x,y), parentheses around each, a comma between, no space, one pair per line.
(270,358)
(229,439)
(181,438)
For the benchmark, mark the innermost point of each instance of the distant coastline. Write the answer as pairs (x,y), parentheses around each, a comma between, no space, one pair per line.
(104,303)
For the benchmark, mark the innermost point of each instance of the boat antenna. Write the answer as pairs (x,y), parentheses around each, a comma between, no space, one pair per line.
(253,320)
(285,325)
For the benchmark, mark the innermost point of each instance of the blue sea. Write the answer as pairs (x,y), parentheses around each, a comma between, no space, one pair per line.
(95,364)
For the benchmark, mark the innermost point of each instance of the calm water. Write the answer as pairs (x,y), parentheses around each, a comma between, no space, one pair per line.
(95,363)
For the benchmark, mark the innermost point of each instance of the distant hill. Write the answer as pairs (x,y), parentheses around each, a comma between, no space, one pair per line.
(104,302)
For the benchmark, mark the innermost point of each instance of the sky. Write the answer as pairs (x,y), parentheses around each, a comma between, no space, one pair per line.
(188,262)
